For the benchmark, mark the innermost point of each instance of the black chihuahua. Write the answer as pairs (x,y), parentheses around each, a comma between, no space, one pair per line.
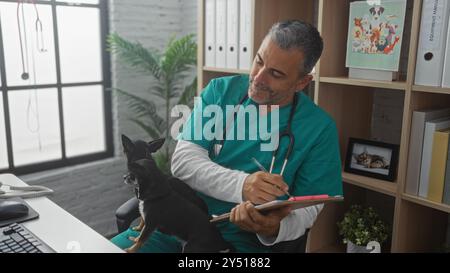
(139,149)
(168,204)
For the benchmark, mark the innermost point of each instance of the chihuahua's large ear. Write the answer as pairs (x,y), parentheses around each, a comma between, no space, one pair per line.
(155,145)
(372,11)
(127,144)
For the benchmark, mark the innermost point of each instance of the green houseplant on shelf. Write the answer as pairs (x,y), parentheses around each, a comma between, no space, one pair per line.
(172,85)
(362,228)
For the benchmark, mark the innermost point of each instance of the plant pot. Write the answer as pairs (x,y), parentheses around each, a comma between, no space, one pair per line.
(352,248)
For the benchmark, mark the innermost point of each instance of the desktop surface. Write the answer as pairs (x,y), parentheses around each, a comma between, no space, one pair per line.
(60,230)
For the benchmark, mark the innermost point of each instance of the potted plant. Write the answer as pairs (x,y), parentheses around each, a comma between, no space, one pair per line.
(173,85)
(361,226)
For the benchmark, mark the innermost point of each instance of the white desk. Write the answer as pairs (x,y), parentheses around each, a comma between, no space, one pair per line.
(59,229)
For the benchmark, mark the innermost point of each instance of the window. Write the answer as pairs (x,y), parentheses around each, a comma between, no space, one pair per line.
(55,107)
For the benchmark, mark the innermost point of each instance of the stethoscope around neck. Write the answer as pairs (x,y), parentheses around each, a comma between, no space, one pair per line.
(286,133)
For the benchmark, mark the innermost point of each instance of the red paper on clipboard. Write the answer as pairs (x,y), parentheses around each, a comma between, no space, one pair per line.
(295,202)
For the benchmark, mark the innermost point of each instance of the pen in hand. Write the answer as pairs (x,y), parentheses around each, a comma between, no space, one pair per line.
(261,167)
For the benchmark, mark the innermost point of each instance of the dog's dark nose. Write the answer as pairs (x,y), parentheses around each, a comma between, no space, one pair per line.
(126,178)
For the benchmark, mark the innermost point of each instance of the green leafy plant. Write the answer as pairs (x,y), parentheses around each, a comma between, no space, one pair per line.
(362,225)
(170,69)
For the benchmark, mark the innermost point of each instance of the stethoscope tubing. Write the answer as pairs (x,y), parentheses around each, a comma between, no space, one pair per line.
(287,132)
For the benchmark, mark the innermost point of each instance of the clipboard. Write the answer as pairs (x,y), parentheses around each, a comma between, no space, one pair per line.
(295,202)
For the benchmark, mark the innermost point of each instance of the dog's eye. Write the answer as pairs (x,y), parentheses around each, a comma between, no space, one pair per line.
(132,177)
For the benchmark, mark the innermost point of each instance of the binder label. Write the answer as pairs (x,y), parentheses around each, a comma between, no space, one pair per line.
(432,24)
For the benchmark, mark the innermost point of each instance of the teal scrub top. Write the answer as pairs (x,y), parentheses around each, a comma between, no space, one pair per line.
(314,166)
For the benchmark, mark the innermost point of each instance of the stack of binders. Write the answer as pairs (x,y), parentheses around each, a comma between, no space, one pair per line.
(428,172)
(433,56)
(228,34)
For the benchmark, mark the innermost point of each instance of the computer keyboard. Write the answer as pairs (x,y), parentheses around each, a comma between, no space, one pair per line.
(15,238)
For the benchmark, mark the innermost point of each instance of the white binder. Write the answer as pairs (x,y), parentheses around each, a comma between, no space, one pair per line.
(432,40)
(210,30)
(232,33)
(245,34)
(446,73)
(221,33)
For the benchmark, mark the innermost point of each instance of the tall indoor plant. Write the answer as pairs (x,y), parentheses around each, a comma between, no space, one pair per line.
(170,69)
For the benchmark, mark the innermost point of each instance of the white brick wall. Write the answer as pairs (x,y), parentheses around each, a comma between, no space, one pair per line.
(152,23)
(92,192)
(189,20)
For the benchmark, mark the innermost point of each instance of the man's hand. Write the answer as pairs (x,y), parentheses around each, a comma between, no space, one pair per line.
(262,187)
(250,219)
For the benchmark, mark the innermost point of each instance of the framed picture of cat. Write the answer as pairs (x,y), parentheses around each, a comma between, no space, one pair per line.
(371,158)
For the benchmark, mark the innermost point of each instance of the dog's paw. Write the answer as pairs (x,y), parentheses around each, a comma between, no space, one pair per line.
(133,249)
(133,239)
(137,228)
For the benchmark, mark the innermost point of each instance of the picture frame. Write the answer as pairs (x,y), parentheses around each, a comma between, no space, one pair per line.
(372,159)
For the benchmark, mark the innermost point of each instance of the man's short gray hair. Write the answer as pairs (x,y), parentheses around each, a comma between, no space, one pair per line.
(296,34)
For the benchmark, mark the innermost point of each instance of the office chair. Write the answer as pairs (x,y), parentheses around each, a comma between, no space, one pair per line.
(129,211)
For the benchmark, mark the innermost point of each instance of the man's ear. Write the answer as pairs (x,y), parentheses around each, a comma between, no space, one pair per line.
(127,144)
(155,145)
(303,82)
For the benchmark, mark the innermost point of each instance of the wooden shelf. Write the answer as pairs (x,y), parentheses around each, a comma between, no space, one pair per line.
(377,185)
(426,202)
(226,70)
(365,83)
(235,71)
(431,89)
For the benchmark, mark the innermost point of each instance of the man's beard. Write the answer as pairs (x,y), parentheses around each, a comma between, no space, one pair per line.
(260,88)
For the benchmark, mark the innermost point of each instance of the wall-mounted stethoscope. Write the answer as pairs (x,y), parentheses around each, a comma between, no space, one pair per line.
(24,43)
(286,133)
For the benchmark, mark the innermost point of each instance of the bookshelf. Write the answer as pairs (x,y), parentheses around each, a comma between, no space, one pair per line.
(364,83)
(376,185)
(418,225)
